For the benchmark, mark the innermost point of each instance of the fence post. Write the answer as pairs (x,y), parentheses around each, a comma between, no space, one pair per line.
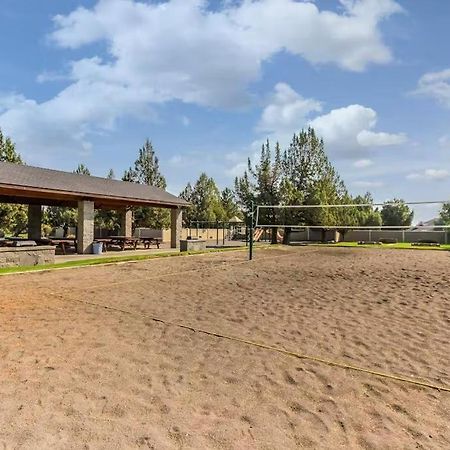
(250,248)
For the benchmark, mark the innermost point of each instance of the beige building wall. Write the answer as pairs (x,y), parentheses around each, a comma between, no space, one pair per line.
(375,235)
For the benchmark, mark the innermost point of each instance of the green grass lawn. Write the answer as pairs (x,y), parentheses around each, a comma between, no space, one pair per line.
(401,245)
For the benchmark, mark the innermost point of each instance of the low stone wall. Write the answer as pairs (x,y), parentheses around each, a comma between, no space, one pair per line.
(26,256)
(189,245)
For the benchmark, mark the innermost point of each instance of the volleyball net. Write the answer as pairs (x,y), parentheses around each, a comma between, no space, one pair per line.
(353,222)
(361,216)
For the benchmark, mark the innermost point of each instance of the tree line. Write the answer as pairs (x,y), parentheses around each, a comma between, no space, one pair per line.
(301,174)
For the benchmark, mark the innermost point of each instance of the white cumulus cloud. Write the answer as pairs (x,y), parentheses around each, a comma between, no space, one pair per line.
(430,174)
(362,163)
(369,138)
(367,184)
(178,50)
(444,142)
(286,110)
(349,131)
(351,127)
(435,85)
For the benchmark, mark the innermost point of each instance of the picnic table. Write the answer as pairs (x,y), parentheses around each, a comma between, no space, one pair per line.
(63,243)
(147,241)
(121,241)
(17,242)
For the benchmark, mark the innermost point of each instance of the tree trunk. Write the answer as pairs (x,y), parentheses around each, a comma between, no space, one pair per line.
(287,236)
(274,235)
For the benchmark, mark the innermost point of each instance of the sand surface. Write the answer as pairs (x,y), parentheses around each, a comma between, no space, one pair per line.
(77,375)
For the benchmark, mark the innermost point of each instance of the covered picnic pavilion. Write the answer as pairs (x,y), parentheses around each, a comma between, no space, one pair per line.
(38,187)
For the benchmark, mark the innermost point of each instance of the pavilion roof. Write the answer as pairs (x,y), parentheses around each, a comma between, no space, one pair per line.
(35,185)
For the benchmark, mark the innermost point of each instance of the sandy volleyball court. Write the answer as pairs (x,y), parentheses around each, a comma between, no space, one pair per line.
(78,375)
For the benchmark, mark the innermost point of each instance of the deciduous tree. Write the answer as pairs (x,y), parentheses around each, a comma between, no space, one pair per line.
(444,214)
(397,213)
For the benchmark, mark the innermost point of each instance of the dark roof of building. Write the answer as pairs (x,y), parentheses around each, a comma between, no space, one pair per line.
(27,182)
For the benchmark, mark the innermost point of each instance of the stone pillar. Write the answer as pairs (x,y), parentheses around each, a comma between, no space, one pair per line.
(176,223)
(85,229)
(126,222)
(34,222)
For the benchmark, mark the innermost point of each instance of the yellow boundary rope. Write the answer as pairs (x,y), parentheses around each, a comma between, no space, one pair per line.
(328,362)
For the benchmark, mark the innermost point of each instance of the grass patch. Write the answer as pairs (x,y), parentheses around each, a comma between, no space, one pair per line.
(110,260)
(399,246)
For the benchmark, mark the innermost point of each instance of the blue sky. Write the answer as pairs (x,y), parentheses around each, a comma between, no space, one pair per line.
(207,82)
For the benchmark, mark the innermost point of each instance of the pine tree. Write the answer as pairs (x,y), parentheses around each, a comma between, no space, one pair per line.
(261,184)
(245,194)
(58,216)
(108,219)
(303,174)
(146,171)
(13,218)
(229,205)
(188,213)
(82,170)
(8,151)
(206,200)
(311,179)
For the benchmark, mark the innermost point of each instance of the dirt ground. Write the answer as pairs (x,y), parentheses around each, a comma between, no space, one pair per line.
(79,375)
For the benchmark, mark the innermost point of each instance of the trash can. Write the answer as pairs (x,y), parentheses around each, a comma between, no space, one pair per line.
(97,248)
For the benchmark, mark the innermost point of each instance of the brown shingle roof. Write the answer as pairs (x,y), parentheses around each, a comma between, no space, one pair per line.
(27,181)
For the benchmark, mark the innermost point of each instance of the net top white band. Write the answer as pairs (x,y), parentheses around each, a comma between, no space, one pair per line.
(357,227)
(355,205)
